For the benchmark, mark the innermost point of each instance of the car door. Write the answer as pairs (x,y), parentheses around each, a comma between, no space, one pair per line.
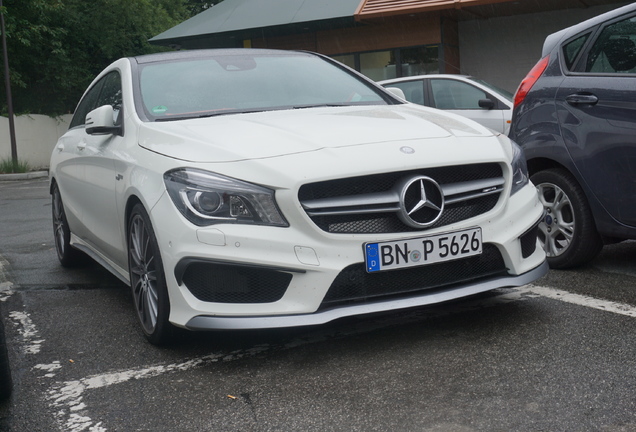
(100,215)
(463,98)
(596,108)
(70,172)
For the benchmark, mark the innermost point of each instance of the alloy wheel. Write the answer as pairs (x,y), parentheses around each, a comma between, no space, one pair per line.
(556,231)
(143,273)
(58,223)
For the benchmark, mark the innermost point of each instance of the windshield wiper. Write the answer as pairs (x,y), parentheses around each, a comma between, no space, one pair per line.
(322,105)
(209,114)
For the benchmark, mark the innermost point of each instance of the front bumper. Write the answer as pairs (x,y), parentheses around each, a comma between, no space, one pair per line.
(259,322)
(314,259)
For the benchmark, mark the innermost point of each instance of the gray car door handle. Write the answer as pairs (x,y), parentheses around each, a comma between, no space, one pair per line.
(581,99)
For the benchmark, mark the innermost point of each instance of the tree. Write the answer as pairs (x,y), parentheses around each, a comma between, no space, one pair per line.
(56,47)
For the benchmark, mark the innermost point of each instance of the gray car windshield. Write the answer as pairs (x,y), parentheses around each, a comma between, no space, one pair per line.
(228,84)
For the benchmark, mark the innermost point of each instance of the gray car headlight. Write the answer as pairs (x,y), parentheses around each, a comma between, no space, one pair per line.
(519,168)
(206,198)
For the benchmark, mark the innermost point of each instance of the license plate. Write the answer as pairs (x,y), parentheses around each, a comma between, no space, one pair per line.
(422,250)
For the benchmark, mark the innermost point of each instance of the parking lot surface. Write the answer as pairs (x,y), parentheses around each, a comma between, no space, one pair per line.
(558,355)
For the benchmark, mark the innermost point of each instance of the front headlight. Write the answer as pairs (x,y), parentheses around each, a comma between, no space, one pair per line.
(519,168)
(206,198)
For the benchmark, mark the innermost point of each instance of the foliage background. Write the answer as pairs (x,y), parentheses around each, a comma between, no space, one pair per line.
(57,47)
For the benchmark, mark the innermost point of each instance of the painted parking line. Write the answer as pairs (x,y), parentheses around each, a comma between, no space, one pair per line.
(581,300)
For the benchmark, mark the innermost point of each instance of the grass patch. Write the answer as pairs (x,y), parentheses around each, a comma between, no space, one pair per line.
(9,166)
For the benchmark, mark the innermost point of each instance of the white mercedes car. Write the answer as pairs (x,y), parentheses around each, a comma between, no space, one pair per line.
(236,189)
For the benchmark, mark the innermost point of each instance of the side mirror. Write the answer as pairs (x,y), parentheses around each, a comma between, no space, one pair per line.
(486,103)
(396,92)
(101,121)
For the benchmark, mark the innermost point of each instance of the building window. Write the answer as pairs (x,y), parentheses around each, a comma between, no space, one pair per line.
(381,65)
(378,65)
(347,60)
(419,60)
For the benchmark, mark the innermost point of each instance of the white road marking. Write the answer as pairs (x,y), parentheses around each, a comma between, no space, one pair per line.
(581,300)
(28,331)
(66,398)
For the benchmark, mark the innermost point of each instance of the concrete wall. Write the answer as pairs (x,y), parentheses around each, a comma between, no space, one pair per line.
(35,135)
(503,50)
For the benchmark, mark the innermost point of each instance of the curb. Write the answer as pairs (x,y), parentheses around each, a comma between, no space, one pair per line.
(24,176)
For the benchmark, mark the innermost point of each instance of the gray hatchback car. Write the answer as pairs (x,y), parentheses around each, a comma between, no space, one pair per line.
(575,116)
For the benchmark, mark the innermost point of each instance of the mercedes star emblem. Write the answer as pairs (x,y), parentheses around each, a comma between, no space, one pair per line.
(421,201)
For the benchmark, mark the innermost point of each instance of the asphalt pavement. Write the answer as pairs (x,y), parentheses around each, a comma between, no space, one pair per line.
(558,355)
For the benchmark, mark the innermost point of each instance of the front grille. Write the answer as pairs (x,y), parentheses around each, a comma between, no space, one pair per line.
(223,283)
(355,284)
(369,204)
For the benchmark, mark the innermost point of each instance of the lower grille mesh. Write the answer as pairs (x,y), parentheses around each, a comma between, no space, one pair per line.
(221,283)
(355,284)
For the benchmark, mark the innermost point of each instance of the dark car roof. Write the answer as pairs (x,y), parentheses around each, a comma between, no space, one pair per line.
(556,38)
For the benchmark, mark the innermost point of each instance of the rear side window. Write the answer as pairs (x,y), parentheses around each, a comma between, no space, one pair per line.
(413,90)
(615,49)
(572,49)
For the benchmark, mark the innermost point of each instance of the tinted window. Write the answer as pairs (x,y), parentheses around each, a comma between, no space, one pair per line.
(572,49)
(87,104)
(449,94)
(615,49)
(107,91)
(111,94)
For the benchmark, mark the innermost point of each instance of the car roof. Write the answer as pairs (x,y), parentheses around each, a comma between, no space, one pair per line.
(179,55)
(416,77)
(555,39)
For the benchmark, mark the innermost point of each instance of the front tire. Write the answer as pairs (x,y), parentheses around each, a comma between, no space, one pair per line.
(147,278)
(567,232)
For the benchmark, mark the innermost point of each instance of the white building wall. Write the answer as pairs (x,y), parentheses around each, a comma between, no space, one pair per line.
(36,136)
(503,50)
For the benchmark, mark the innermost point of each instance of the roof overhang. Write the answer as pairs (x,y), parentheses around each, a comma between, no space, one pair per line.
(371,9)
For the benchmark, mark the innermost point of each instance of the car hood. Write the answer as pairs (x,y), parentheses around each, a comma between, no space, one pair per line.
(270,134)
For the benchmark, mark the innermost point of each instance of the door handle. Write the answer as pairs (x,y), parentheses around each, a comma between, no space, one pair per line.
(82,145)
(60,147)
(581,99)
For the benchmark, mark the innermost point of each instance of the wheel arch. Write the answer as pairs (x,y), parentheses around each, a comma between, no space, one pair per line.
(131,202)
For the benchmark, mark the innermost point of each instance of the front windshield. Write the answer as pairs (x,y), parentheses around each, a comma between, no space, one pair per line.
(239,83)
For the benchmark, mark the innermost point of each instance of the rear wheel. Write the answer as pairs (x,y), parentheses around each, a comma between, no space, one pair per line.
(567,232)
(147,278)
(67,255)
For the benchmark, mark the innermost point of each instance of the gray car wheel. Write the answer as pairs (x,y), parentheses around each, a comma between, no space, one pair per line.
(147,279)
(567,232)
(67,255)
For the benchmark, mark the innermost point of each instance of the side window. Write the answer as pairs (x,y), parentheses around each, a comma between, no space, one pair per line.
(107,91)
(111,94)
(413,90)
(615,49)
(450,94)
(572,49)
(88,103)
